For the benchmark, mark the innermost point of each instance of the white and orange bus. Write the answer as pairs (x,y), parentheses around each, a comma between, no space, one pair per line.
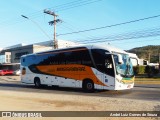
(88,67)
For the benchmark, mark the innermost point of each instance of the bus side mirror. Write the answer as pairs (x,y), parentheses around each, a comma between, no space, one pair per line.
(120,59)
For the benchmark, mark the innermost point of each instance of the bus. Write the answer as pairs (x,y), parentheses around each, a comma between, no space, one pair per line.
(88,67)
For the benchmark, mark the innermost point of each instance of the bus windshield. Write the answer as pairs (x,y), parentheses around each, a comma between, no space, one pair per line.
(125,69)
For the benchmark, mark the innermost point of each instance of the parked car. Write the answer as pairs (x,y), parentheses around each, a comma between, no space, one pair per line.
(17,72)
(6,72)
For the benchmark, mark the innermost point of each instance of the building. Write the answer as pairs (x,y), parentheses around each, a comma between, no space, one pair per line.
(10,56)
(5,57)
(136,61)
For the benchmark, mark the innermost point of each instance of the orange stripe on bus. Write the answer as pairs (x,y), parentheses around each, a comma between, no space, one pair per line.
(72,71)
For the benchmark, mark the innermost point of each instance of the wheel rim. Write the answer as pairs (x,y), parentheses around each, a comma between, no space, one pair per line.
(37,83)
(89,86)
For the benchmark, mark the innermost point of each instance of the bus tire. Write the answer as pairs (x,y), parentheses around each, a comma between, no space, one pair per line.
(37,82)
(88,85)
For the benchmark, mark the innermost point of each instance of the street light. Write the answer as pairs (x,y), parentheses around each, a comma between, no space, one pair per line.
(37,26)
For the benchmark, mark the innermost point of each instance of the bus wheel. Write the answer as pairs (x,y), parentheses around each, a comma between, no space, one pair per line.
(37,82)
(88,86)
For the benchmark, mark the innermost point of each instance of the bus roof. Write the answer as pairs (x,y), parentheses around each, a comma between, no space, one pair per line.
(109,48)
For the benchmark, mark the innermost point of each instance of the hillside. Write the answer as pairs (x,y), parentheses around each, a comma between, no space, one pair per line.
(143,52)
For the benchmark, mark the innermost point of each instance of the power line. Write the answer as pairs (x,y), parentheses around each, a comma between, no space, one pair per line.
(62,7)
(69,4)
(72,28)
(108,26)
(37,26)
(137,41)
(127,36)
(77,5)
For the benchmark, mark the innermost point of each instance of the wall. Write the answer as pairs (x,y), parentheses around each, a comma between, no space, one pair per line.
(16,53)
(40,48)
(5,57)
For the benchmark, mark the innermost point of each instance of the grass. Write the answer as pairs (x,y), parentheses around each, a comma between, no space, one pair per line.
(147,80)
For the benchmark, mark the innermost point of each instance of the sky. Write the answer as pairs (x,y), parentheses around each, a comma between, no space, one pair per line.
(79,15)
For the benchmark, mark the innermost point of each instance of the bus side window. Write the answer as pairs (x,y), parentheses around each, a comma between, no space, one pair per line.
(103,62)
(109,69)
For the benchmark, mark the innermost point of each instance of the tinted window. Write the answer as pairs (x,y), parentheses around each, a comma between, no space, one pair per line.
(103,61)
(78,57)
(68,57)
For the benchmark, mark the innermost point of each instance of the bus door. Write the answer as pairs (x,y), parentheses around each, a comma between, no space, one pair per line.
(104,65)
(109,74)
(105,71)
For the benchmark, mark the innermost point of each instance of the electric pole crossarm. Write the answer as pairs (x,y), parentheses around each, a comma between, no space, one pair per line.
(50,13)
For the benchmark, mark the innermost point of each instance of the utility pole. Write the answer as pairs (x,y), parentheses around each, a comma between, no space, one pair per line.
(55,43)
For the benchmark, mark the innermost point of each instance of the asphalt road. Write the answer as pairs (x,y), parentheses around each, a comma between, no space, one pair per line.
(140,92)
